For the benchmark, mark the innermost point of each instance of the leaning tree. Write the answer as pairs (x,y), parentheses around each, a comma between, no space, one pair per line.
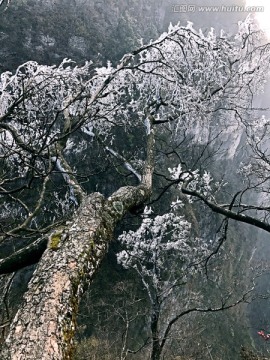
(60,125)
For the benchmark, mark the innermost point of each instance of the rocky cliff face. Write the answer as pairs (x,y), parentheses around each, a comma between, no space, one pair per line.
(95,29)
(101,30)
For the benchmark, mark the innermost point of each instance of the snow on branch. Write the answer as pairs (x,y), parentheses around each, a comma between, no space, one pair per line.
(67,178)
(4,4)
(126,164)
(147,249)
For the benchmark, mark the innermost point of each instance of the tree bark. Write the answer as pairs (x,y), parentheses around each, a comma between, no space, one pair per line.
(155,314)
(44,326)
(156,348)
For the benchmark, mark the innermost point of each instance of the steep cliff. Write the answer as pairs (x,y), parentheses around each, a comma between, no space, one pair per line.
(49,31)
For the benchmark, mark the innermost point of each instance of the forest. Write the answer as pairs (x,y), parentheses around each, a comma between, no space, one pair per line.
(134,183)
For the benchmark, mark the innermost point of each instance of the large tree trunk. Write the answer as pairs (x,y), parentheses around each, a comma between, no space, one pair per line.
(156,348)
(44,326)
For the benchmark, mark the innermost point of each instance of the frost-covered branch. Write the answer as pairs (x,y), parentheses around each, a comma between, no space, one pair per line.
(147,249)
(198,186)
(219,209)
(126,164)
(4,5)
(74,188)
(165,257)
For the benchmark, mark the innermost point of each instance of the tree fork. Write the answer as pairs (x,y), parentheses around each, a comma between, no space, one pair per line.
(44,326)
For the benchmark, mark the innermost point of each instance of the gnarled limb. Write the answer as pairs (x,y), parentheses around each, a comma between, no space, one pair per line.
(219,209)
(44,326)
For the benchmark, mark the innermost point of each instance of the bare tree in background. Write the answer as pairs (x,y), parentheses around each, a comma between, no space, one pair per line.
(168,260)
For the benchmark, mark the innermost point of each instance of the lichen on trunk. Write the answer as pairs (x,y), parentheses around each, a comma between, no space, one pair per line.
(44,326)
